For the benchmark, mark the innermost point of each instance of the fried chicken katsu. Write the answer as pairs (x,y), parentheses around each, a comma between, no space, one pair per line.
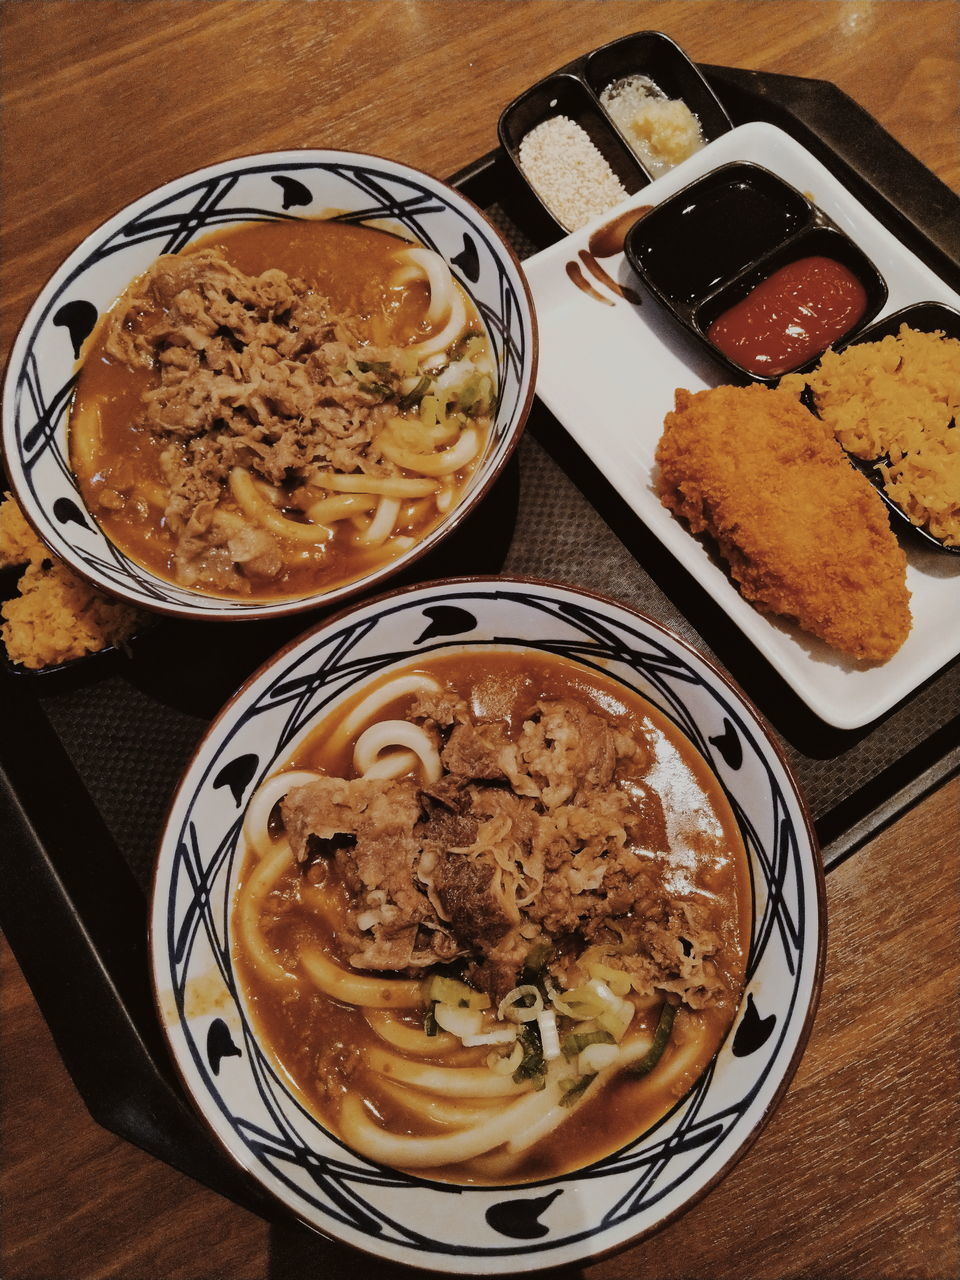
(805,535)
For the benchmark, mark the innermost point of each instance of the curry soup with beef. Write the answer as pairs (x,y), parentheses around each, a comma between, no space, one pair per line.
(493,917)
(281,407)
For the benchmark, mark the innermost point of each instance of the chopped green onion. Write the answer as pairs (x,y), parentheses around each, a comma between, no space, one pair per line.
(430,1027)
(415,394)
(575,1089)
(376,389)
(549,1036)
(459,1019)
(577,1040)
(535,963)
(532,1066)
(660,1038)
(618,1019)
(505,1065)
(522,1004)
(617,980)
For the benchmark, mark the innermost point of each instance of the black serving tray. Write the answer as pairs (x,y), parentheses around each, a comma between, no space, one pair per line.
(90,756)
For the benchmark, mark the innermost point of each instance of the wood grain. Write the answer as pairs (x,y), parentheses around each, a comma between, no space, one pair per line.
(856,1175)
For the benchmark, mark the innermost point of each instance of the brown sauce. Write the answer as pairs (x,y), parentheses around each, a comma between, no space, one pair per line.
(575,273)
(321,1045)
(607,241)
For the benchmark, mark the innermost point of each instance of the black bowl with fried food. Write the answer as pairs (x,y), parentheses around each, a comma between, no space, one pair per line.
(920,318)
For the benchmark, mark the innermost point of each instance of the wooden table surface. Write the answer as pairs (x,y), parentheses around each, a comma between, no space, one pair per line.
(857,1173)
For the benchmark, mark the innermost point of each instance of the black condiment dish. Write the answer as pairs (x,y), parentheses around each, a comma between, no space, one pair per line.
(574,91)
(705,248)
(925,317)
(564,94)
(712,230)
(656,56)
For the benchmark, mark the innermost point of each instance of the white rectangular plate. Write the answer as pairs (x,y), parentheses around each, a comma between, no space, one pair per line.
(609,373)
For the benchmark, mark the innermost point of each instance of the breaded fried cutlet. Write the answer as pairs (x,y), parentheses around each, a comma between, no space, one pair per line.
(805,535)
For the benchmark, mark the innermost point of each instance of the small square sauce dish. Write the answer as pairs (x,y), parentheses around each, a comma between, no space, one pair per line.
(912,442)
(754,271)
(657,97)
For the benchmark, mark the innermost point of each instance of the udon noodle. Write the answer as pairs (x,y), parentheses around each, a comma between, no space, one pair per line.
(281,407)
(492,918)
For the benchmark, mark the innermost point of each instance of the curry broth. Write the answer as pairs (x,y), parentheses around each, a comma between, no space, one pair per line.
(321,1045)
(119,473)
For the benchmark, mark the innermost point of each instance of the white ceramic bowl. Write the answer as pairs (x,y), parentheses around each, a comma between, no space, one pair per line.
(291,184)
(481,1230)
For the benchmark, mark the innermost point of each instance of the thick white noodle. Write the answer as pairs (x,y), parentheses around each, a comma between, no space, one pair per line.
(398,687)
(553,1117)
(256,820)
(519,1125)
(409,1039)
(395,764)
(397,733)
(250,905)
(257,508)
(445,337)
(453,1114)
(406,1152)
(382,486)
(381,524)
(444,499)
(439,281)
(341,506)
(85,432)
(451,1082)
(443,463)
(357,988)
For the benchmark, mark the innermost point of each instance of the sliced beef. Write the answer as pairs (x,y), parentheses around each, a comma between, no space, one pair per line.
(447,792)
(473,751)
(447,825)
(250,371)
(569,852)
(499,968)
(398,926)
(466,888)
(563,748)
(439,708)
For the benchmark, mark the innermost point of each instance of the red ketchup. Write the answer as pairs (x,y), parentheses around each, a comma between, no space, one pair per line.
(790,317)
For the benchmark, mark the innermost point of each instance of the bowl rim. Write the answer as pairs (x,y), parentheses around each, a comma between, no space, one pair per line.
(816,867)
(11,470)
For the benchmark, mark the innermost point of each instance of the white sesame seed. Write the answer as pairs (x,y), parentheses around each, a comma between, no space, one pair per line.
(568,172)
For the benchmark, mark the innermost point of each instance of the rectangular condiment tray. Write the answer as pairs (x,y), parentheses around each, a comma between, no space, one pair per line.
(90,758)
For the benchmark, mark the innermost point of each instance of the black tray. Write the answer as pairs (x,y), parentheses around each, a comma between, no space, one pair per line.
(89,757)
